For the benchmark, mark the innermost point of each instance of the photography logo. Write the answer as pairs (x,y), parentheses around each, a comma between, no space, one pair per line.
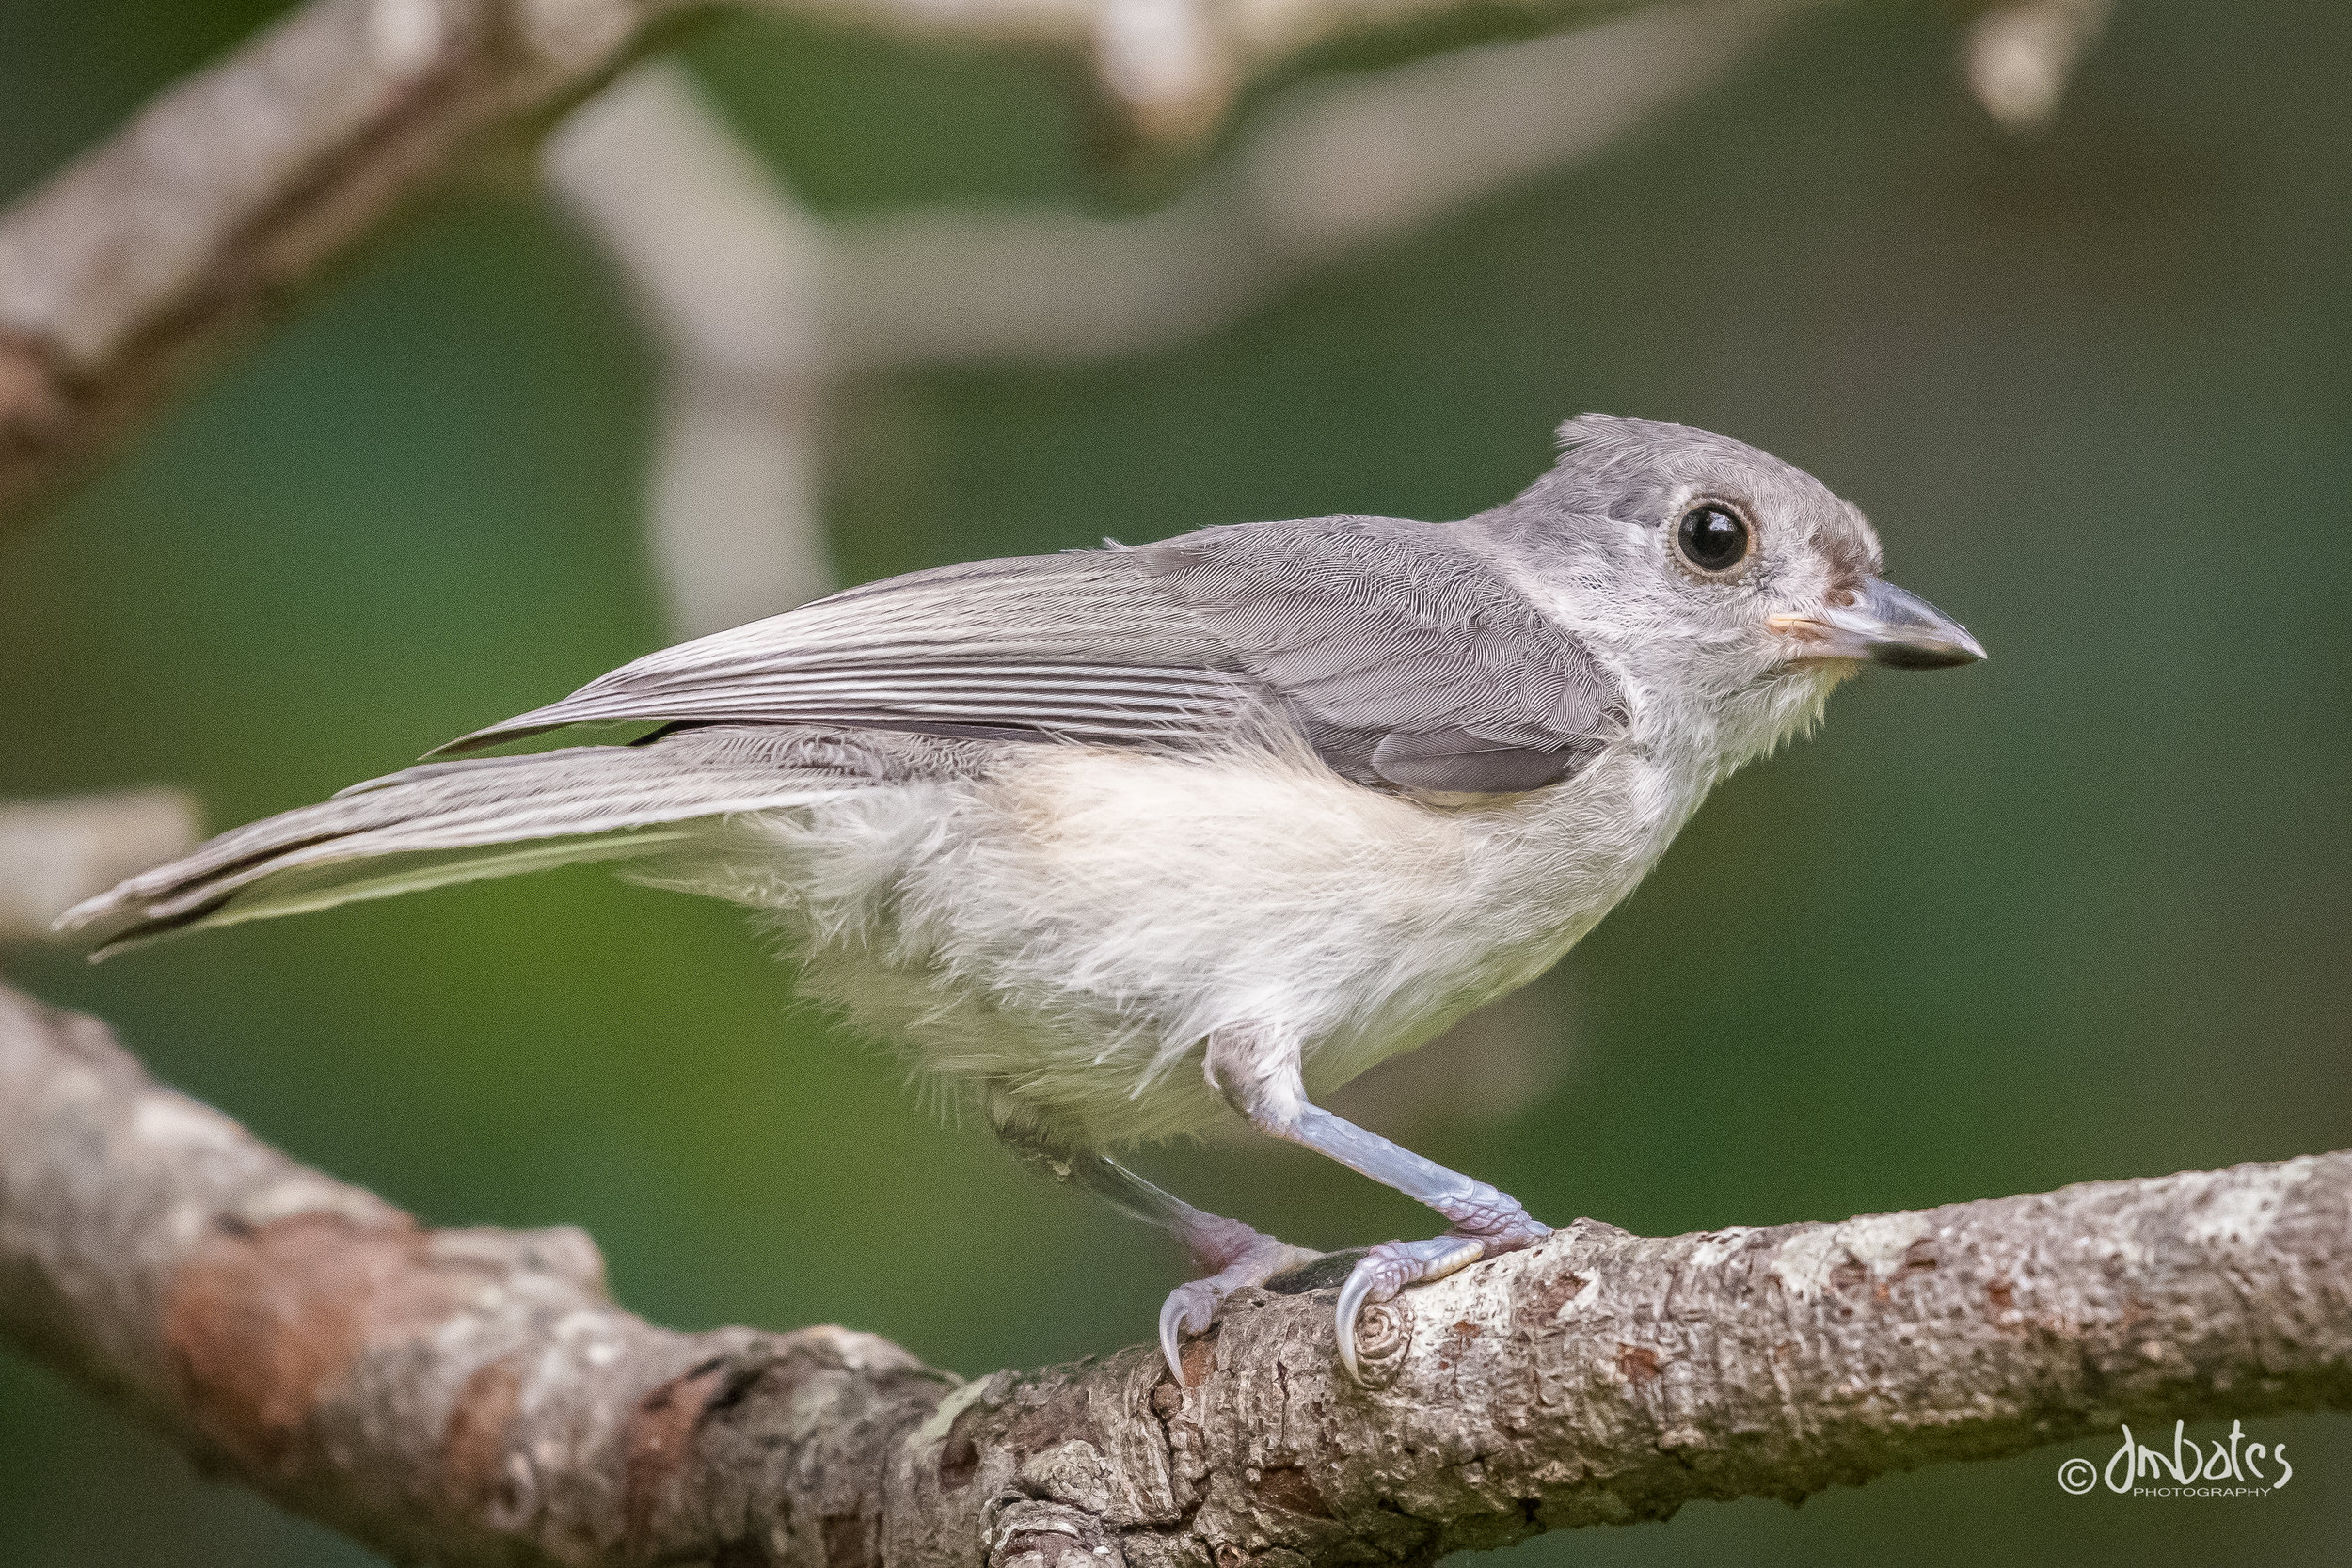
(2233,1467)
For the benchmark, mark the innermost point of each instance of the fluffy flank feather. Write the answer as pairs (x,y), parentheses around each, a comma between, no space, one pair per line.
(1063,930)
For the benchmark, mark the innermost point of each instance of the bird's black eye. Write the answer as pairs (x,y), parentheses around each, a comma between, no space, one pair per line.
(1713,538)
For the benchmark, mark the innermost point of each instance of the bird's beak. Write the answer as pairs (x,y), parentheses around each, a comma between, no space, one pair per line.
(1885,625)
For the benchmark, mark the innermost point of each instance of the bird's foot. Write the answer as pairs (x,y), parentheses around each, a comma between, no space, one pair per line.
(1241,1257)
(1495,1225)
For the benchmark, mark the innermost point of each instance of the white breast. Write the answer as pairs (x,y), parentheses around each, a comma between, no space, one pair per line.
(1069,930)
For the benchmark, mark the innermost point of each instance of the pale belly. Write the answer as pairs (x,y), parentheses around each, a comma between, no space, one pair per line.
(1063,935)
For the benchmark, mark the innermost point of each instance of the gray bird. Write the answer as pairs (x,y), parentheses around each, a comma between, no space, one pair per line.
(1118,843)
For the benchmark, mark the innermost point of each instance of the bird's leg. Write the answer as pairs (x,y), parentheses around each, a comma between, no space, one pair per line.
(1229,1253)
(1258,1072)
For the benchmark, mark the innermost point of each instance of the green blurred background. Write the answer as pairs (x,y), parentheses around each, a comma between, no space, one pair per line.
(2080,913)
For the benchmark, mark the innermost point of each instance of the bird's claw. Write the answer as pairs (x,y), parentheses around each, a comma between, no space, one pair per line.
(1248,1259)
(1501,1226)
(1387,1269)
(1190,1309)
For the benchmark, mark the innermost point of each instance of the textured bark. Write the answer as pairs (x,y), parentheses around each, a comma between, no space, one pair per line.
(473,1397)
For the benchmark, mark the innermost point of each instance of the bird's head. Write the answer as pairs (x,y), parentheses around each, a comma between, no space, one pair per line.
(1728,586)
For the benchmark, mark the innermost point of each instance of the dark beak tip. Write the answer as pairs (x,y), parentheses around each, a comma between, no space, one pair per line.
(1899,656)
(1902,631)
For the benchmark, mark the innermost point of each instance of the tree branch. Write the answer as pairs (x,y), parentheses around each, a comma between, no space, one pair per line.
(473,1397)
(234,188)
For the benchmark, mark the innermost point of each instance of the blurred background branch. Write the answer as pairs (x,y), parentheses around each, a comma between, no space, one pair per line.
(234,188)
(2018,56)
(1333,168)
(56,853)
(730,276)
(756,305)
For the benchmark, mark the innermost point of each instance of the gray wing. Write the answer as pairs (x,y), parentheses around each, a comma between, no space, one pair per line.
(1408,659)
(1406,662)
(1081,646)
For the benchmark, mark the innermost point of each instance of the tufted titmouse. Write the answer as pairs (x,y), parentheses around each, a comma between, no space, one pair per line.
(1120,842)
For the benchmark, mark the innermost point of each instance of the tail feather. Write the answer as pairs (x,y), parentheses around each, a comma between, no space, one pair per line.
(447,822)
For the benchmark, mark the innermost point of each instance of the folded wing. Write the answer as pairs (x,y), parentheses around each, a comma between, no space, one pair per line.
(1403,657)
(1082,646)
(1408,659)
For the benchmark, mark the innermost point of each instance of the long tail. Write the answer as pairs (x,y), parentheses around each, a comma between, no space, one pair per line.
(457,821)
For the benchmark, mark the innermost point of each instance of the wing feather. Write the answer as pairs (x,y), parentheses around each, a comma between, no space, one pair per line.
(1084,645)
(1411,661)
(1402,656)
(483,816)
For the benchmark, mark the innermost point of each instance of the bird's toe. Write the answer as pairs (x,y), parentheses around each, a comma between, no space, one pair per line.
(1189,1309)
(1387,1269)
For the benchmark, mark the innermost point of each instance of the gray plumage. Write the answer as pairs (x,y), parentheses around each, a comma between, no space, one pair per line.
(1119,842)
(1404,657)
(1399,655)
(443,822)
